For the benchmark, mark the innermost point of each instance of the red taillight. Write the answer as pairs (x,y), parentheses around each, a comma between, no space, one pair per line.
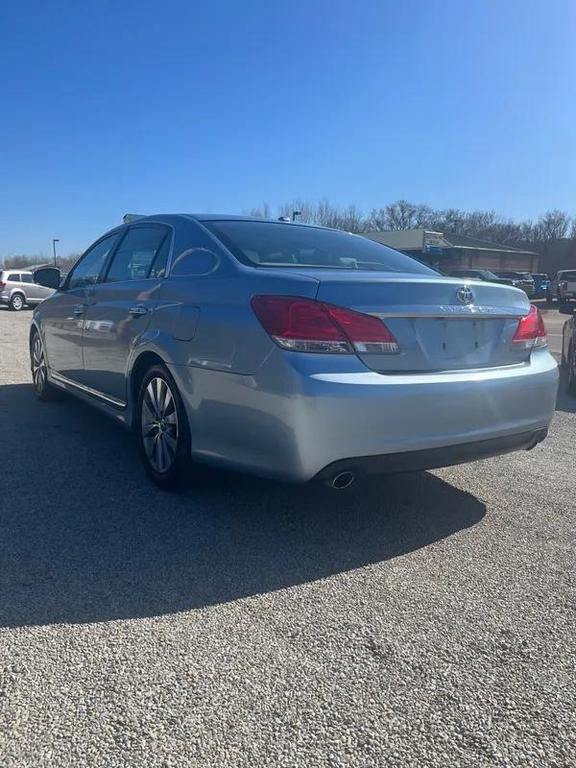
(367,333)
(304,325)
(531,330)
(2,285)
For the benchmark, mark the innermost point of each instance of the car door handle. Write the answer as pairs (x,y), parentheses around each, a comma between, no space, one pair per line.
(138,310)
(78,309)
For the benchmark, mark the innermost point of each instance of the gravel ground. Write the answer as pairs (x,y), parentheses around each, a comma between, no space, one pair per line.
(421,620)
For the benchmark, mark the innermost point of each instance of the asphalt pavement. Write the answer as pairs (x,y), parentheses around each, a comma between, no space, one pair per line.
(426,619)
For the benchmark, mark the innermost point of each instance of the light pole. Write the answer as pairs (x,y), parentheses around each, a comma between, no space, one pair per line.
(295,214)
(54,241)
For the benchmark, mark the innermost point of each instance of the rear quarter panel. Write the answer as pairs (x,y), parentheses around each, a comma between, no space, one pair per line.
(207,321)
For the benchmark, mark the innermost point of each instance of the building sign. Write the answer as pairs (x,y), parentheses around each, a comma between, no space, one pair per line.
(433,243)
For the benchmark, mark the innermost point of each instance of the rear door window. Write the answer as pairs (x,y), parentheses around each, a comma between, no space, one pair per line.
(136,257)
(14,277)
(26,277)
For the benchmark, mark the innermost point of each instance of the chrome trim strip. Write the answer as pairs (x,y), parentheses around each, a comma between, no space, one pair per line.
(448,315)
(89,391)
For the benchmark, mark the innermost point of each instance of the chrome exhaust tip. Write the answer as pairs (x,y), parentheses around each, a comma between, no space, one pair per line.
(342,480)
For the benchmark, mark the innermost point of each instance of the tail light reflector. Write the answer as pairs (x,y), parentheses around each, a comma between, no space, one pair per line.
(531,331)
(304,325)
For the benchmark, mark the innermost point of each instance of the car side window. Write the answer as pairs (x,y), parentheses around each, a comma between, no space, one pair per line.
(88,269)
(137,254)
(26,277)
(14,277)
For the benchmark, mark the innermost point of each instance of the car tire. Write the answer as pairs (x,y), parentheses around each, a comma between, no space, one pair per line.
(162,430)
(40,384)
(17,302)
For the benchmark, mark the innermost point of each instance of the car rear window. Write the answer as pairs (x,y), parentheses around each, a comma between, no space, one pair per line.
(267,244)
(568,276)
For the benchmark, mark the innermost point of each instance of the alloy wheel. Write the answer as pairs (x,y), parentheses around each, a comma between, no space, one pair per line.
(39,373)
(17,302)
(159,425)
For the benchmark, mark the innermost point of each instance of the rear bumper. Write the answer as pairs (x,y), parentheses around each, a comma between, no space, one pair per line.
(299,414)
(433,458)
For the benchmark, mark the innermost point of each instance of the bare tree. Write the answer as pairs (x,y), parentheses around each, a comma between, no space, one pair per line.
(402,214)
(19,261)
(350,218)
(307,210)
(262,212)
(554,225)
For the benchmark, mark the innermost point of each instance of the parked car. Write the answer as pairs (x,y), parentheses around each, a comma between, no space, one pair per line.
(291,351)
(483,274)
(523,280)
(541,285)
(563,286)
(569,348)
(18,289)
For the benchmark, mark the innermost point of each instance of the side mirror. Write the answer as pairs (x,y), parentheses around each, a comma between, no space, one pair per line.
(567,309)
(49,277)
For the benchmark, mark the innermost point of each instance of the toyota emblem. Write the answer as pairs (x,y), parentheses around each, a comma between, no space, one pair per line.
(465,295)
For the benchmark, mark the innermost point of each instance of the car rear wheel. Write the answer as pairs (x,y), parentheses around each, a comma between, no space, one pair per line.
(16,302)
(162,428)
(42,387)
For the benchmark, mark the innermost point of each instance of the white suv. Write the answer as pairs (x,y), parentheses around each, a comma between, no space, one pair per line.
(17,288)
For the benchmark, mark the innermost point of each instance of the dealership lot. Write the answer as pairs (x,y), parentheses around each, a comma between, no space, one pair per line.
(424,619)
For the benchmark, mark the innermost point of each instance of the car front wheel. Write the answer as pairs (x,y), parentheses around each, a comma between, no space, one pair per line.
(42,387)
(162,430)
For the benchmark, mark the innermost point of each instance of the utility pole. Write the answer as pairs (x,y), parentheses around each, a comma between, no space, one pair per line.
(54,241)
(295,214)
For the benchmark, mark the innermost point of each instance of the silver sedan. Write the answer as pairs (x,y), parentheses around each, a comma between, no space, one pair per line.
(290,351)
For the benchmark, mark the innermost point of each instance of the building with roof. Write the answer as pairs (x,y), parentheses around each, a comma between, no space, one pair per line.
(446,252)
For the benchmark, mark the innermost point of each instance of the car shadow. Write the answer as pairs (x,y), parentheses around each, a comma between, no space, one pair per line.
(86,537)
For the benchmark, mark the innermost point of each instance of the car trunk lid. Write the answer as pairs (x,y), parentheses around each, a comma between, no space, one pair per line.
(439,323)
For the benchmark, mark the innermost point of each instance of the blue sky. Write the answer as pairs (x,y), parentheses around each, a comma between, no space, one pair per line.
(110,107)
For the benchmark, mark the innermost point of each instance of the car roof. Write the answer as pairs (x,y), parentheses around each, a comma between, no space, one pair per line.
(207,217)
